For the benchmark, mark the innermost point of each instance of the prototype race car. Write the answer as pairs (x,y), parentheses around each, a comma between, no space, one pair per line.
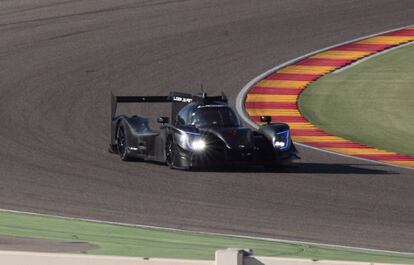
(204,131)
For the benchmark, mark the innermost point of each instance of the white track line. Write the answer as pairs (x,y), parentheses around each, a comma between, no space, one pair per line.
(243,93)
(350,156)
(375,251)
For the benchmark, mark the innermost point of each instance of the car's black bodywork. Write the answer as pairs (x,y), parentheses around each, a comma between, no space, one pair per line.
(203,131)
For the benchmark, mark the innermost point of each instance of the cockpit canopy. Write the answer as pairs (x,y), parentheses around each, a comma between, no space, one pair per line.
(209,115)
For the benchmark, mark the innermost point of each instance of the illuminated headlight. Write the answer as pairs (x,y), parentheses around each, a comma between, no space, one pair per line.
(279,144)
(281,141)
(192,142)
(198,145)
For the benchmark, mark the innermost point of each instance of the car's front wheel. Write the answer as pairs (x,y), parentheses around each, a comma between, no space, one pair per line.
(122,144)
(170,152)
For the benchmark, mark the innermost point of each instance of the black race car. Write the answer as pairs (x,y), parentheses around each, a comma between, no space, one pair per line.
(204,131)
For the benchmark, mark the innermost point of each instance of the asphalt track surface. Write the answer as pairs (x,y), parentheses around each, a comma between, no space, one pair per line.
(59,60)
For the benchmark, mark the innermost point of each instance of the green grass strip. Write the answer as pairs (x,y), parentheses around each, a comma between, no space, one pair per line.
(370,103)
(144,242)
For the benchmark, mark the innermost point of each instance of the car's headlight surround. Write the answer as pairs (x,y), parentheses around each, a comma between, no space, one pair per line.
(281,140)
(192,141)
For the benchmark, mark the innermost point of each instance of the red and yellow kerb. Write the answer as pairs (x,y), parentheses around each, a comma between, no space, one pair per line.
(277,95)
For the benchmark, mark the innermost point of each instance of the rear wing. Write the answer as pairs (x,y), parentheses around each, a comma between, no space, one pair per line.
(178,100)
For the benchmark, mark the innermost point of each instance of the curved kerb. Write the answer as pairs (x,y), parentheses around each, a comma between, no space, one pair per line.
(276,93)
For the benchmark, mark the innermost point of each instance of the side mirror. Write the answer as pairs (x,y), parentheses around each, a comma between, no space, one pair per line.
(266,119)
(163,120)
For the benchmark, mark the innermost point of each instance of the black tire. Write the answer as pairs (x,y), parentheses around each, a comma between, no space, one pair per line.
(122,144)
(170,152)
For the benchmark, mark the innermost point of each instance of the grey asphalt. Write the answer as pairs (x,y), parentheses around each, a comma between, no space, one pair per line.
(59,60)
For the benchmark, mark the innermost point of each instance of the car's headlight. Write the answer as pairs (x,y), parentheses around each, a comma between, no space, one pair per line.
(280,144)
(281,140)
(198,144)
(192,141)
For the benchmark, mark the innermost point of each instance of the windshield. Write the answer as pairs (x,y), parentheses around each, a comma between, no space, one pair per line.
(214,116)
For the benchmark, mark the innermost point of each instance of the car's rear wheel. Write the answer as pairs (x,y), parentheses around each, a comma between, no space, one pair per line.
(122,144)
